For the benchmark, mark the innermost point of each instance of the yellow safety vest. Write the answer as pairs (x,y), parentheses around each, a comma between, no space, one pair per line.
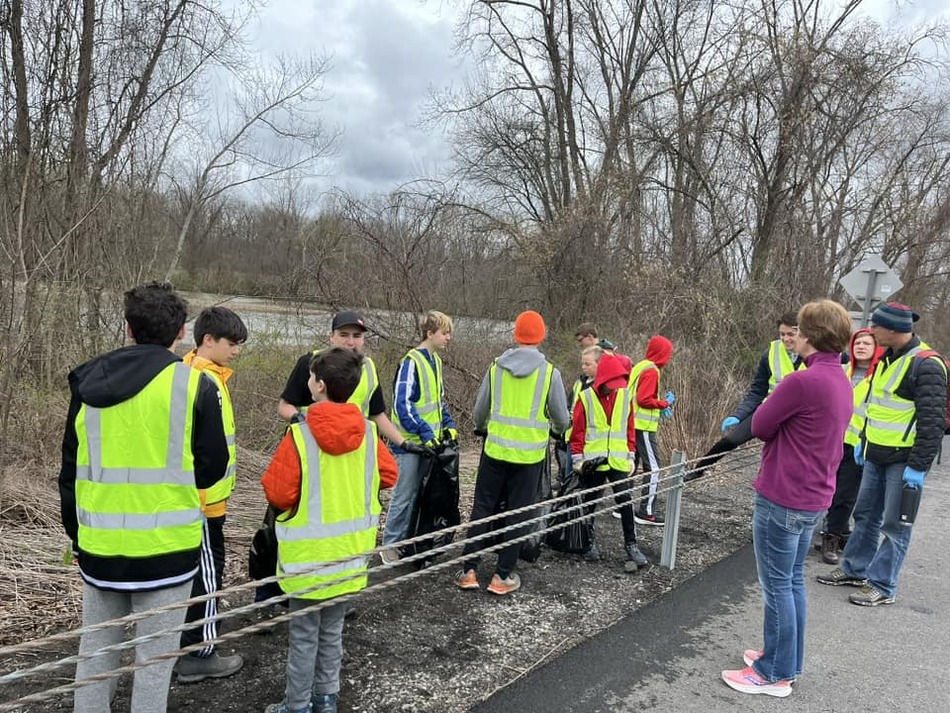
(575,395)
(780,364)
(334,527)
(518,425)
(221,491)
(369,379)
(429,405)
(853,435)
(890,418)
(644,419)
(135,472)
(603,439)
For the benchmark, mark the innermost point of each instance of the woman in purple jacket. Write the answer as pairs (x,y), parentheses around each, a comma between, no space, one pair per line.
(803,424)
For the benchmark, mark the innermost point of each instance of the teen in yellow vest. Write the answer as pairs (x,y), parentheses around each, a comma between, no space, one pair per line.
(144,433)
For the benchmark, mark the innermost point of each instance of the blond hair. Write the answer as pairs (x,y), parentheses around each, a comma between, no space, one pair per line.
(433,321)
(826,325)
(596,351)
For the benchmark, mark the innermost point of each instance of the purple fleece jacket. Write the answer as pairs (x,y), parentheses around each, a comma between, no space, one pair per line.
(803,423)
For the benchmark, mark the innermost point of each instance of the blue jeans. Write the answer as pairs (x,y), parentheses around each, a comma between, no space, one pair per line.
(876,513)
(404,497)
(782,538)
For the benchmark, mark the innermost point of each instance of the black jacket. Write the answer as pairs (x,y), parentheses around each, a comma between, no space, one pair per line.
(110,379)
(928,391)
(759,388)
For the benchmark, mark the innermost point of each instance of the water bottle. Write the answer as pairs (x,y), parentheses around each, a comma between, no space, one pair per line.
(910,501)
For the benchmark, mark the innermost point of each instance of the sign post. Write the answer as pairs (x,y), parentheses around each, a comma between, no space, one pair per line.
(870,283)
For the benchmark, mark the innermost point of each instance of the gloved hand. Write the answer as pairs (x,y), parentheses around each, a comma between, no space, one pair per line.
(913,478)
(591,465)
(670,398)
(450,435)
(729,423)
(299,417)
(666,413)
(420,449)
(859,454)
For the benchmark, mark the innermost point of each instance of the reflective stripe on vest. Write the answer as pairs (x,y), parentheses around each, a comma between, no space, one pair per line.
(429,405)
(575,395)
(517,425)
(135,480)
(644,419)
(890,418)
(603,439)
(369,380)
(335,520)
(223,488)
(780,364)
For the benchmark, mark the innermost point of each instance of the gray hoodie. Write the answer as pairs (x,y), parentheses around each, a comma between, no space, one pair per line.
(521,362)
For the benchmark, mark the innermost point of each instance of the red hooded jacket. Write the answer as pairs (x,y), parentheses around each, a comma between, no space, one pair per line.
(878,353)
(659,351)
(613,372)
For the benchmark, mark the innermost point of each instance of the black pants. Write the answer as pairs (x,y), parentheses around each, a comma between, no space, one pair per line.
(735,437)
(622,495)
(648,456)
(847,485)
(207,581)
(515,484)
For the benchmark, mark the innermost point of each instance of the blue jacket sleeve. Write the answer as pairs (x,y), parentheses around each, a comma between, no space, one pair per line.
(758,390)
(405,396)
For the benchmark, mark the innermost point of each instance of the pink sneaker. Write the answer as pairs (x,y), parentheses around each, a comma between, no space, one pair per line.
(746,680)
(750,656)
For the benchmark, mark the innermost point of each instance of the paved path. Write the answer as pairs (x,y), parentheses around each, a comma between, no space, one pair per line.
(669,655)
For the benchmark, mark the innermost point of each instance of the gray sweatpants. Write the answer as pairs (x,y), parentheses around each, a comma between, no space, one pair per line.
(150,684)
(315,653)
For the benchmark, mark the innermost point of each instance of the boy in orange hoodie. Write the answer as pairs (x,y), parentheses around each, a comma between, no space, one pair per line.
(325,478)
(649,409)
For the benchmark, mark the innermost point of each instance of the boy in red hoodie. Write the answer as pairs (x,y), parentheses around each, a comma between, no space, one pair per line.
(603,448)
(325,479)
(649,409)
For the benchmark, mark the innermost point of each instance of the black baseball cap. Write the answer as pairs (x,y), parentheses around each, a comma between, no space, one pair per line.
(346,319)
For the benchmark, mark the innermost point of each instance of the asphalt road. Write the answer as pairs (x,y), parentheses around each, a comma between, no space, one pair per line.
(668,656)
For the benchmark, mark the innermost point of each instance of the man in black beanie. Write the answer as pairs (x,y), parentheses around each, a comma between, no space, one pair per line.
(904,427)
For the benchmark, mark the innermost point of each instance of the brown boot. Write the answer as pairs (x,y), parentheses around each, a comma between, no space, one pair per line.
(830,548)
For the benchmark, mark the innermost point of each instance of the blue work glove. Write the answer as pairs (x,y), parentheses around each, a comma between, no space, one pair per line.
(670,398)
(666,413)
(859,454)
(913,478)
(729,423)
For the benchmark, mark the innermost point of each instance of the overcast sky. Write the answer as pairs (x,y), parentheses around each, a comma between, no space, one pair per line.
(387,54)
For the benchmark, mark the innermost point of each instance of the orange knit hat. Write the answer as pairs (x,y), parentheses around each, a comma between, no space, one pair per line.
(529,328)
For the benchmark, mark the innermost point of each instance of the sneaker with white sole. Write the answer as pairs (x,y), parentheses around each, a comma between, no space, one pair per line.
(746,680)
(869,596)
(389,555)
(509,584)
(642,518)
(466,579)
(192,669)
(838,577)
(750,656)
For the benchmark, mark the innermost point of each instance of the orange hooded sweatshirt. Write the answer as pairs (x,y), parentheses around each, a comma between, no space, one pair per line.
(337,428)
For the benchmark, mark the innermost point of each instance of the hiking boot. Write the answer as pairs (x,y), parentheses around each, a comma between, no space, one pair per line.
(642,518)
(746,680)
(191,669)
(504,586)
(830,549)
(635,558)
(750,656)
(838,577)
(390,555)
(323,703)
(282,708)
(869,596)
(466,580)
(593,553)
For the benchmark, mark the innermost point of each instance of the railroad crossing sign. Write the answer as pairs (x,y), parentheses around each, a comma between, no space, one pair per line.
(870,283)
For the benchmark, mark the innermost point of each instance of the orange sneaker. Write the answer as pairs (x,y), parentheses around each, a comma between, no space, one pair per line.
(504,586)
(466,580)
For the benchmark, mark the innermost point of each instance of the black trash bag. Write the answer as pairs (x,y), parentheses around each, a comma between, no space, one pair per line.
(262,557)
(437,505)
(531,549)
(575,536)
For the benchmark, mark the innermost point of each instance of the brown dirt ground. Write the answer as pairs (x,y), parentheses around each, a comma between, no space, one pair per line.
(424,646)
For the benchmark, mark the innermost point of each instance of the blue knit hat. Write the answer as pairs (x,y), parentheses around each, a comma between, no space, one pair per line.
(895,316)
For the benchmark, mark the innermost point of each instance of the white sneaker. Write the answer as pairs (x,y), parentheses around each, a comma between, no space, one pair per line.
(390,555)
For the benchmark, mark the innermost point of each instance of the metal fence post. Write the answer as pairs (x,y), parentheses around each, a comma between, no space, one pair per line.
(673,503)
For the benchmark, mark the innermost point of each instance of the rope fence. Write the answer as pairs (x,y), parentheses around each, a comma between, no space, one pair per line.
(602,499)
